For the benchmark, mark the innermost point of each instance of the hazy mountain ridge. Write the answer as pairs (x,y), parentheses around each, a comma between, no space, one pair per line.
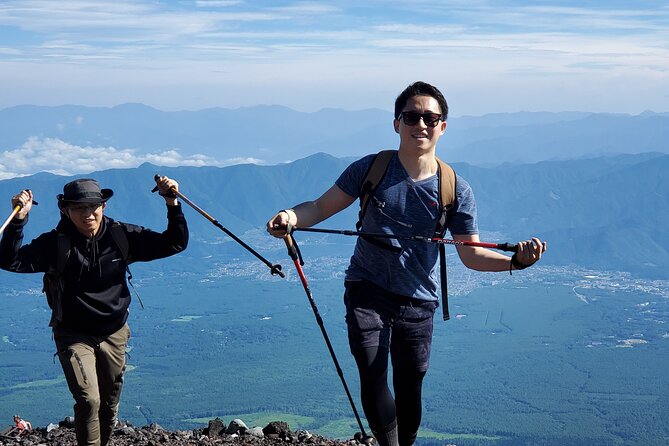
(588,135)
(276,134)
(606,213)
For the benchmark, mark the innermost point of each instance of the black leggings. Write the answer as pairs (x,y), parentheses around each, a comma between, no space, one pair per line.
(377,402)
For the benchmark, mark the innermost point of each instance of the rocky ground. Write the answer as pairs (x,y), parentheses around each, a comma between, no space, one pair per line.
(217,433)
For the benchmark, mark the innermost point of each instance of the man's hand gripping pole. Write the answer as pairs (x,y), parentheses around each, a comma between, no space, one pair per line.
(15,211)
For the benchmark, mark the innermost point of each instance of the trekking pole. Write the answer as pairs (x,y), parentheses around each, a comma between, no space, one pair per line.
(420,238)
(15,211)
(275,269)
(294,253)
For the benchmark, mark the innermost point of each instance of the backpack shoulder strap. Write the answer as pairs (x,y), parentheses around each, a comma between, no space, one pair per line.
(53,285)
(121,240)
(373,177)
(63,245)
(446,176)
(447,197)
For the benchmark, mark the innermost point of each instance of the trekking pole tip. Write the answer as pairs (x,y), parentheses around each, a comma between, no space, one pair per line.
(365,439)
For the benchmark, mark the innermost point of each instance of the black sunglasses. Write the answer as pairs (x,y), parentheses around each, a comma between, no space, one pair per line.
(85,208)
(412,118)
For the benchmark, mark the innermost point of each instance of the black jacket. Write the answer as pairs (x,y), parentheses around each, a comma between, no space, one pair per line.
(96,295)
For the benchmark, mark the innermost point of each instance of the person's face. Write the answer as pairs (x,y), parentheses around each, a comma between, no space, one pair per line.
(420,135)
(86,217)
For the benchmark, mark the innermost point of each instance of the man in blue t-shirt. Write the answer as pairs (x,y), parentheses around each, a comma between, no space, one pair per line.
(392,291)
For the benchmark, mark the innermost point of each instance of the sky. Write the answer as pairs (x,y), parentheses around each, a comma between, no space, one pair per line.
(486,56)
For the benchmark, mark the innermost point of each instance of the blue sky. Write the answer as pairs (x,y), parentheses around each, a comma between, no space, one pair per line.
(487,56)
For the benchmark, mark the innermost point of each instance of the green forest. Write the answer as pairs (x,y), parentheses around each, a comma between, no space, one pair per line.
(524,360)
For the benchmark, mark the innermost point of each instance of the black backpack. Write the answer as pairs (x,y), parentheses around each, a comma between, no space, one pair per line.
(447,196)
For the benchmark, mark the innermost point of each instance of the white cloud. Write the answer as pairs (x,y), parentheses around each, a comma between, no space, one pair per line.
(414,29)
(59,157)
(216,3)
(9,51)
(307,8)
(108,20)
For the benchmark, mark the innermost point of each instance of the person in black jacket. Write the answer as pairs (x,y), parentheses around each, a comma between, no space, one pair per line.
(90,297)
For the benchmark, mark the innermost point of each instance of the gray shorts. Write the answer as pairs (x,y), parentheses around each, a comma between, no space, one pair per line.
(378,318)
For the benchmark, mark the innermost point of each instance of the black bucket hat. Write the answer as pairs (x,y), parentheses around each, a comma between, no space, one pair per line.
(83,190)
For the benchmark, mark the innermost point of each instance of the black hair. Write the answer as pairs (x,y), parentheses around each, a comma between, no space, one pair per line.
(420,88)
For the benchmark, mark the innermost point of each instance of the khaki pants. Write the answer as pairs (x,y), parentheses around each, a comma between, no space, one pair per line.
(93,367)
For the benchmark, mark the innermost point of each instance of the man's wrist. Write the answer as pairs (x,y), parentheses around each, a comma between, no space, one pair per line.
(514,264)
(173,209)
(292,216)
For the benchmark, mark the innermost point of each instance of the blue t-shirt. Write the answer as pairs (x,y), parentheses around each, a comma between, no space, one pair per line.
(402,206)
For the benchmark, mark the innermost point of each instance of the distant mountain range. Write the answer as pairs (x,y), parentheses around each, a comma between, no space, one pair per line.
(275,134)
(608,212)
